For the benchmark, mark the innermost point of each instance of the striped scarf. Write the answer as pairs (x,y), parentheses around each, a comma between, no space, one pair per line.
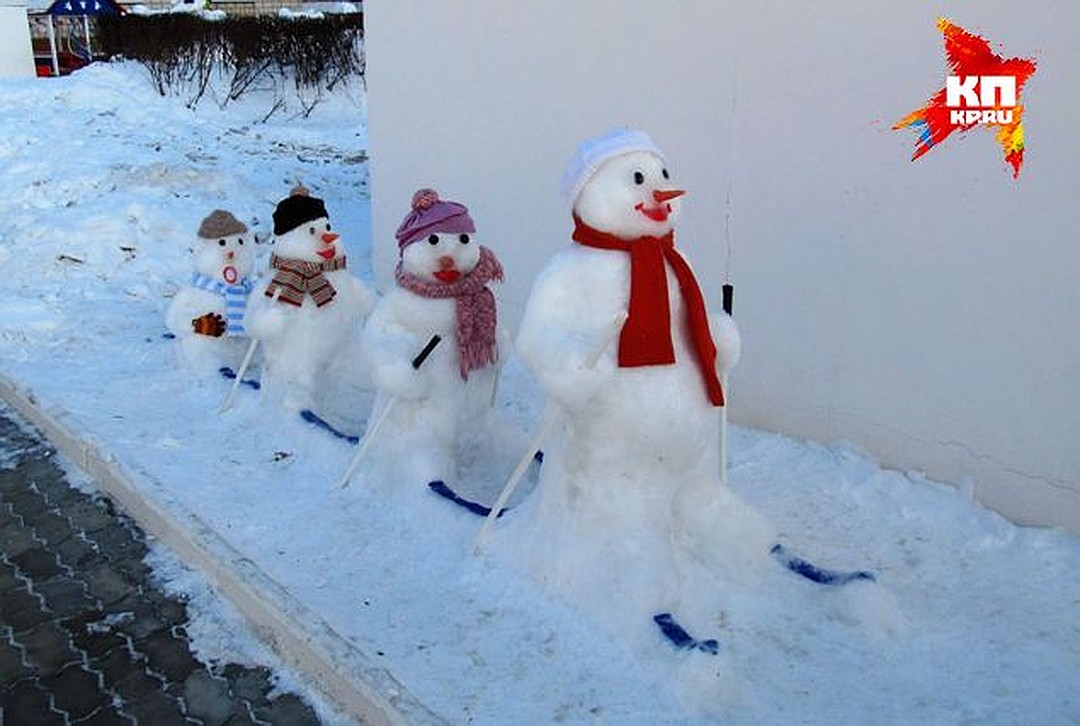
(295,278)
(235,300)
(474,309)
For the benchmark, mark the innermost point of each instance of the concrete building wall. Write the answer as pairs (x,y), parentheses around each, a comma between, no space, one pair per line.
(927,312)
(16,56)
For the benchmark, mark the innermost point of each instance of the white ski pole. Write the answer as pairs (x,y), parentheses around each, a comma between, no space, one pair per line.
(728,293)
(245,363)
(374,428)
(551,418)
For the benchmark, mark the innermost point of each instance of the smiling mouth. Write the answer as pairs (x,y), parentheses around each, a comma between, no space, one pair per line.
(447,275)
(327,254)
(659,213)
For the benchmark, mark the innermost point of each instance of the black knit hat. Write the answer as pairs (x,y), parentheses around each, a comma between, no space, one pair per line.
(297,208)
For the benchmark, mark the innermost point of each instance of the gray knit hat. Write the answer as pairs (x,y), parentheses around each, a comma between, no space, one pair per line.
(221,224)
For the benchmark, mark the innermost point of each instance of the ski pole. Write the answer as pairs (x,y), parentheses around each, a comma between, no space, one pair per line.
(245,363)
(551,418)
(728,294)
(374,428)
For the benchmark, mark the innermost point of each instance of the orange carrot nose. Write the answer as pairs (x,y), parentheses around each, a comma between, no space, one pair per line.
(663,195)
(330,237)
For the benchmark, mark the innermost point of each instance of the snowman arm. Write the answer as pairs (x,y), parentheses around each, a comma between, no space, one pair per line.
(185,307)
(264,318)
(390,349)
(728,342)
(365,298)
(570,353)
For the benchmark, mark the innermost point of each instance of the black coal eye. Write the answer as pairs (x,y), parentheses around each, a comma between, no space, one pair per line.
(327,226)
(241,241)
(666,175)
(464,239)
(433,239)
(311,230)
(639,178)
(221,243)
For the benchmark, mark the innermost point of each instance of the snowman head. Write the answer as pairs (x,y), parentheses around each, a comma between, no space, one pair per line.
(619,183)
(437,239)
(302,229)
(225,251)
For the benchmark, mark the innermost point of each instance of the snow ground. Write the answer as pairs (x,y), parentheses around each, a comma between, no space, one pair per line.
(974,620)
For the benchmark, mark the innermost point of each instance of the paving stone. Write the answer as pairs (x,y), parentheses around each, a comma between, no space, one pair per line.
(76,691)
(48,648)
(25,502)
(15,539)
(168,656)
(149,704)
(36,563)
(208,698)
(287,709)
(79,554)
(117,664)
(89,637)
(12,667)
(64,596)
(52,528)
(8,580)
(105,584)
(117,543)
(88,515)
(250,684)
(22,611)
(107,716)
(25,702)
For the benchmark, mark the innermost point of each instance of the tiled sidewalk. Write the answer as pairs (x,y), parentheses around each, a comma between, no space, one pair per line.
(86,637)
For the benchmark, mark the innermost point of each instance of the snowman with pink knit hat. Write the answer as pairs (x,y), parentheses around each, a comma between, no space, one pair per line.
(441,305)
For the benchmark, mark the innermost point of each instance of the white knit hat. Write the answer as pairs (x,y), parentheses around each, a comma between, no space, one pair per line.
(595,151)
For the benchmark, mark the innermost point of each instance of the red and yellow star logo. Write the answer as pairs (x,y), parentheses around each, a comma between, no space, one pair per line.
(970,56)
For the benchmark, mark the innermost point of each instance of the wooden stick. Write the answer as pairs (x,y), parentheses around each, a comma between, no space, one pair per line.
(552,417)
(374,428)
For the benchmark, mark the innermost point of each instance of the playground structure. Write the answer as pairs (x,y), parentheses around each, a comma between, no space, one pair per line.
(62,35)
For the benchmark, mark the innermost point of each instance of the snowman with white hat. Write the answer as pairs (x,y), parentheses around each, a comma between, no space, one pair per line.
(206,316)
(629,518)
(311,308)
(433,345)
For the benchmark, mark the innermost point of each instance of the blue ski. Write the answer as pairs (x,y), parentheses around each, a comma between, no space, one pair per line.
(315,420)
(230,374)
(681,639)
(817,574)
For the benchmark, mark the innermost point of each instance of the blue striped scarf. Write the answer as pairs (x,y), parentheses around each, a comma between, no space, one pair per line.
(235,300)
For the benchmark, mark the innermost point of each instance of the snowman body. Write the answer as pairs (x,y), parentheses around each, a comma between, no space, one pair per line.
(434,404)
(629,518)
(302,340)
(219,288)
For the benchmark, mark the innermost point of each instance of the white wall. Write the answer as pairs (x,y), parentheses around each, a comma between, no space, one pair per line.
(929,312)
(16,55)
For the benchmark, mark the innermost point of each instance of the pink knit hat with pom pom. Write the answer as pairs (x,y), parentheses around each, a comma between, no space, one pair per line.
(430,215)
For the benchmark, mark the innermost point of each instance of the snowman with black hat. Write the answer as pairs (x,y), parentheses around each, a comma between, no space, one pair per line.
(311,306)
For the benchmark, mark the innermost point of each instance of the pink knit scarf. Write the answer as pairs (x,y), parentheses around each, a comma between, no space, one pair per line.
(474,306)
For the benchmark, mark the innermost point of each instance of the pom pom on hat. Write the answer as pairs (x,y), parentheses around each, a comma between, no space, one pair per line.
(431,215)
(297,208)
(593,152)
(220,223)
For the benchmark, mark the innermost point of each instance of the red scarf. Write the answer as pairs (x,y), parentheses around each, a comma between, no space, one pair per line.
(645,339)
